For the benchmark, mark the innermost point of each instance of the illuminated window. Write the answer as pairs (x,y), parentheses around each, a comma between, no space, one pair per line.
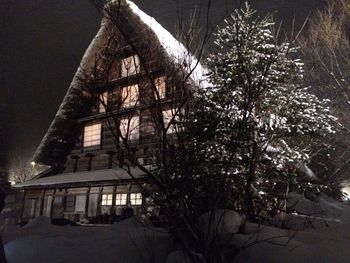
(103,102)
(136,199)
(160,84)
(130,66)
(120,199)
(130,96)
(107,199)
(129,128)
(92,135)
(168,116)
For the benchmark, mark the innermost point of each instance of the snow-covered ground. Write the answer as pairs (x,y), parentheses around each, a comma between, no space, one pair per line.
(125,242)
(326,239)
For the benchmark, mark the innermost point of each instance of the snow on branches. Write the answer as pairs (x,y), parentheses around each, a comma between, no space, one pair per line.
(261,117)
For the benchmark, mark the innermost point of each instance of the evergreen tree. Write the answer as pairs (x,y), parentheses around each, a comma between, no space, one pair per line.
(257,122)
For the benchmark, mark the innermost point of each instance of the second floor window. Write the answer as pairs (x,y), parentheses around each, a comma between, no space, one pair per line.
(130,66)
(92,135)
(129,128)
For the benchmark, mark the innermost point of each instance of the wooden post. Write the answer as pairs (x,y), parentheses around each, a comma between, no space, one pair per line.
(52,202)
(41,208)
(23,204)
(87,202)
(113,200)
(98,212)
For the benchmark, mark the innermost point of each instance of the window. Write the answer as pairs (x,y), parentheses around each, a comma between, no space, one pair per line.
(47,205)
(103,102)
(80,201)
(136,199)
(160,84)
(129,128)
(130,96)
(70,203)
(107,199)
(168,116)
(130,66)
(92,135)
(120,199)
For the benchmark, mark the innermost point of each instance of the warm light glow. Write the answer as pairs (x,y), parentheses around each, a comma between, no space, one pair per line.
(160,84)
(129,128)
(92,135)
(130,96)
(32,163)
(130,66)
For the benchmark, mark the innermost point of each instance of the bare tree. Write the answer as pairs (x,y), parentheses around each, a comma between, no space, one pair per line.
(21,169)
(325,46)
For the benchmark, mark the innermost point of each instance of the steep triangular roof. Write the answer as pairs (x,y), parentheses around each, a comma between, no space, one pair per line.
(61,135)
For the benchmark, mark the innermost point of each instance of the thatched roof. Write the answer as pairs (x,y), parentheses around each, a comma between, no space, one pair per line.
(61,136)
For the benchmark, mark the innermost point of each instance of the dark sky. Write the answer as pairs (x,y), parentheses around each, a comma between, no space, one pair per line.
(42,42)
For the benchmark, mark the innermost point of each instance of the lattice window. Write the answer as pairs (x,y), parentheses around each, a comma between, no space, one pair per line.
(121,199)
(107,199)
(92,135)
(136,199)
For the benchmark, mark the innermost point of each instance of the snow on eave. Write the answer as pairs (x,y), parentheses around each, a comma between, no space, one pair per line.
(174,49)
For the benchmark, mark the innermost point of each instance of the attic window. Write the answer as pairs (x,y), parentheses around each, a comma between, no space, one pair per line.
(92,135)
(130,66)
(160,84)
(129,128)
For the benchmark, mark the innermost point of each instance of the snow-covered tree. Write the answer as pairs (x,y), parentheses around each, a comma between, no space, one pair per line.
(258,122)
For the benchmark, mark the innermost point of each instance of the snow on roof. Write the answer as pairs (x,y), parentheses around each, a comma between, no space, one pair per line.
(175,50)
(83,177)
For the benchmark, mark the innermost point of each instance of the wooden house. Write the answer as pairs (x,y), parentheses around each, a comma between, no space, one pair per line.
(88,180)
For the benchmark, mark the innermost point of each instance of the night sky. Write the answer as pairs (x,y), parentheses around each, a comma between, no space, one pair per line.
(42,42)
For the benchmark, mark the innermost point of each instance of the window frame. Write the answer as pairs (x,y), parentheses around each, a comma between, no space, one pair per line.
(133,63)
(92,142)
(135,201)
(108,201)
(129,133)
(102,97)
(128,101)
(159,82)
(117,203)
